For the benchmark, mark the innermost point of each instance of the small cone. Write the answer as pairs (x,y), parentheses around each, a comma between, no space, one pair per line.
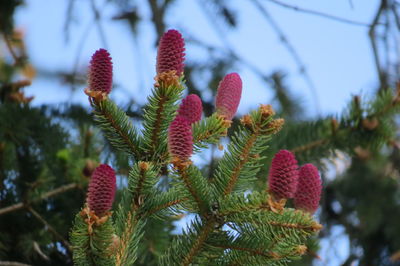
(101,190)
(180,140)
(308,189)
(191,108)
(283,175)
(228,97)
(170,55)
(100,72)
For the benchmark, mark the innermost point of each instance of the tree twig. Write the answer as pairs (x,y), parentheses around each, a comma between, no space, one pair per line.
(13,263)
(97,19)
(49,194)
(158,13)
(320,14)
(11,49)
(292,51)
(372,38)
(51,229)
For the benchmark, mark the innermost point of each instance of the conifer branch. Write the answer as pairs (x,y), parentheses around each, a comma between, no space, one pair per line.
(245,157)
(91,238)
(131,223)
(209,131)
(264,233)
(310,145)
(377,111)
(117,127)
(242,161)
(202,237)
(157,123)
(249,250)
(198,193)
(129,218)
(165,206)
(314,227)
(157,116)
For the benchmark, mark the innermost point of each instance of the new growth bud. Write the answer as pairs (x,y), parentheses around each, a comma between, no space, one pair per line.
(283,175)
(100,72)
(308,189)
(228,95)
(170,55)
(180,140)
(101,190)
(191,108)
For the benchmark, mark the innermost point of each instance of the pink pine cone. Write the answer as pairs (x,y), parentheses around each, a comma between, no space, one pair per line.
(170,55)
(191,108)
(101,190)
(100,72)
(180,141)
(308,189)
(283,175)
(228,95)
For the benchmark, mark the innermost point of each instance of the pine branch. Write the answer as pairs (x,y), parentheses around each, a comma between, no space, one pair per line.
(92,238)
(209,131)
(158,114)
(359,122)
(130,223)
(117,127)
(282,236)
(186,247)
(166,205)
(49,194)
(245,158)
(256,252)
(242,161)
(197,186)
(195,248)
(310,145)
(129,240)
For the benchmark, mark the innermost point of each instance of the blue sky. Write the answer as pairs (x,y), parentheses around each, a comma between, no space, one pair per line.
(338,56)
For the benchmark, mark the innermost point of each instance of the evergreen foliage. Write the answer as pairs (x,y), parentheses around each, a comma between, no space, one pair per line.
(225,219)
(47,154)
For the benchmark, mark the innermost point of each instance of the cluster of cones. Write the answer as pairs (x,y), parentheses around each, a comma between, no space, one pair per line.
(287,181)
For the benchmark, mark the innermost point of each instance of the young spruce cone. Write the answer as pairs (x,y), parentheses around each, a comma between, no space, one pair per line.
(309,189)
(228,97)
(170,55)
(191,108)
(283,175)
(180,141)
(101,190)
(100,72)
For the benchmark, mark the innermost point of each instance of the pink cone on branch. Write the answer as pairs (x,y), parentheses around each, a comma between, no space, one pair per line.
(180,141)
(228,97)
(170,55)
(191,108)
(309,189)
(100,72)
(101,190)
(283,175)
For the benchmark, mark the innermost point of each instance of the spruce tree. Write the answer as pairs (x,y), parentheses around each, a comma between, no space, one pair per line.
(233,223)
